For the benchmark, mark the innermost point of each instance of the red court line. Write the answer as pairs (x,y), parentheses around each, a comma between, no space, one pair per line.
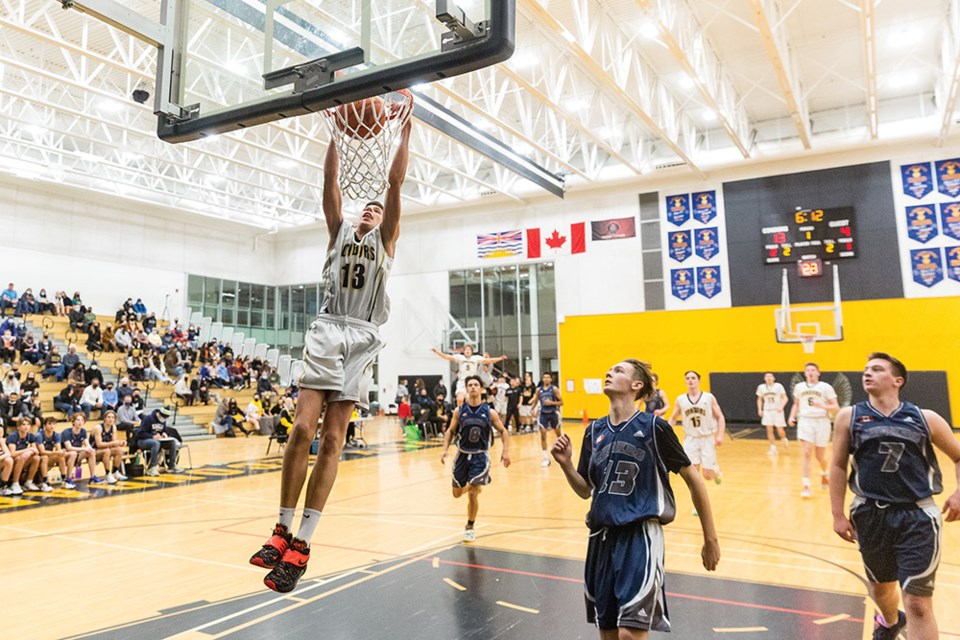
(669,593)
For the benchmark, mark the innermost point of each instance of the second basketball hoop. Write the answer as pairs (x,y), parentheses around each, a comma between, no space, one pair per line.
(363,133)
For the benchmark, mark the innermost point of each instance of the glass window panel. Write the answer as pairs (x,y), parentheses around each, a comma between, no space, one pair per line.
(244,295)
(211,291)
(243,317)
(210,311)
(271,300)
(194,292)
(256,318)
(546,299)
(226,316)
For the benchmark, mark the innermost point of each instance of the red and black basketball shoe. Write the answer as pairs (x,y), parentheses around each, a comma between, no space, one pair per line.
(284,577)
(273,549)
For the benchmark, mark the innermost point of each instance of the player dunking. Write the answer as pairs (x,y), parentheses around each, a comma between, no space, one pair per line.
(547,405)
(472,424)
(468,364)
(894,518)
(812,400)
(771,399)
(703,426)
(624,466)
(338,347)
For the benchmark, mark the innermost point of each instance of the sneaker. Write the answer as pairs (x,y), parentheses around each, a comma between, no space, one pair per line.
(97,480)
(153,471)
(119,476)
(694,512)
(881,632)
(824,482)
(175,469)
(718,478)
(111,479)
(772,451)
(284,577)
(272,550)
(545,463)
(6,491)
(16,489)
(68,485)
(46,488)
(786,443)
(469,535)
(806,493)
(30,485)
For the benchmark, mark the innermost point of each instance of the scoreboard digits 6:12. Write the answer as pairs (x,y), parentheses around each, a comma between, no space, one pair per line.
(809,234)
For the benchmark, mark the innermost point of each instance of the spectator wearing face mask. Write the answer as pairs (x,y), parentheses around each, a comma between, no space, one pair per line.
(110,397)
(92,399)
(127,417)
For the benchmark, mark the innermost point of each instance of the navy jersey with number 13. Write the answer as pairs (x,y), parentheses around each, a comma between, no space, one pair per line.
(474,428)
(628,466)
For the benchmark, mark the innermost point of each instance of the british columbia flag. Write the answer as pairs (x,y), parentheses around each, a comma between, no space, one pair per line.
(503,244)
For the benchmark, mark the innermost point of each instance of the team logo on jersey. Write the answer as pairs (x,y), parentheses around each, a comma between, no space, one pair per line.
(599,439)
(639,434)
(950,219)
(921,223)
(708,281)
(678,209)
(948,177)
(706,244)
(681,283)
(927,266)
(864,419)
(917,179)
(705,206)
(953,263)
(678,245)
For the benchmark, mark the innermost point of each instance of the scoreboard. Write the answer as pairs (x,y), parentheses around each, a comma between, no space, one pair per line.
(808,235)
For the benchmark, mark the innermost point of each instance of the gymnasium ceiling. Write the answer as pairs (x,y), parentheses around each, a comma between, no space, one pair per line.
(597,91)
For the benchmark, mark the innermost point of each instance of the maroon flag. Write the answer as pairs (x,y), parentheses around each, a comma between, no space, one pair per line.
(614,229)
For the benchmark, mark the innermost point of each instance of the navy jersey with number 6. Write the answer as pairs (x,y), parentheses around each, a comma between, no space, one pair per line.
(893,458)
(628,466)
(474,428)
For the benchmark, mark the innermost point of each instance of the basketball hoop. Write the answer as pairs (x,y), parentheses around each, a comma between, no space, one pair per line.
(809,341)
(364,132)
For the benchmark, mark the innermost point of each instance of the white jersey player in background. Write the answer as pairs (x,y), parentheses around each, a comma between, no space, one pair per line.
(703,426)
(813,401)
(771,400)
(468,364)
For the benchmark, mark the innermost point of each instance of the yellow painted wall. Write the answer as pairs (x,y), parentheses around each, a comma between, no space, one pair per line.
(923,333)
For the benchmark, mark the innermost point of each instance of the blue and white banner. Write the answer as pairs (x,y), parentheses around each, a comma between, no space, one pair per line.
(706,242)
(953,263)
(921,223)
(678,209)
(704,206)
(917,179)
(681,283)
(950,219)
(927,266)
(948,177)
(678,245)
(708,281)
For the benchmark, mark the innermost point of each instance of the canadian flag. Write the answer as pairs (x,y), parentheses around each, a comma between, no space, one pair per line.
(556,241)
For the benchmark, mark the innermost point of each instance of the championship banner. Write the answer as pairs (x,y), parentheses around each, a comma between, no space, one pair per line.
(708,281)
(678,209)
(950,219)
(917,179)
(706,243)
(927,266)
(614,229)
(921,223)
(681,283)
(705,206)
(948,177)
(679,245)
(502,244)
(953,263)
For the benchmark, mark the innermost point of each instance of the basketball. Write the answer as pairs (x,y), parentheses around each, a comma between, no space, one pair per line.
(363,118)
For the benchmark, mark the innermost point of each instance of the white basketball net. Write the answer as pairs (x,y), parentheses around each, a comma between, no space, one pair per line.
(365,152)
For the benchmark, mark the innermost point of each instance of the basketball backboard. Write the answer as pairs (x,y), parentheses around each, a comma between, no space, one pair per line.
(808,324)
(244,63)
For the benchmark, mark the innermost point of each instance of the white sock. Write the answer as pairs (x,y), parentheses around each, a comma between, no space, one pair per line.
(544,455)
(806,482)
(286,517)
(308,524)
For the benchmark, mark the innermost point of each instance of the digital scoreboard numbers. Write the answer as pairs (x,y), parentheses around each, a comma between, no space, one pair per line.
(808,235)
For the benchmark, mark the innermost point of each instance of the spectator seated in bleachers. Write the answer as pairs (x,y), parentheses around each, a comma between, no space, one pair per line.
(152,435)
(27,304)
(287,411)
(227,418)
(10,383)
(6,468)
(94,338)
(62,303)
(51,451)
(76,317)
(89,317)
(9,299)
(30,385)
(135,365)
(139,308)
(53,365)
(78,375)
(150,322)
(128,418)
(32,408)
(44,304)
(26,459)
(8,347)
(92,399)
(11,410)
(110,397)
(76,439)
(253,413)
(68,401)
(93,372)
(152,369)
(107,341)
(122,338)
(173,362)
(138,401)
(70,359)
(110,448)
(75,298)
(29,350)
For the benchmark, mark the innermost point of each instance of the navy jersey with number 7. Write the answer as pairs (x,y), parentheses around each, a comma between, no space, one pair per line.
(628,466)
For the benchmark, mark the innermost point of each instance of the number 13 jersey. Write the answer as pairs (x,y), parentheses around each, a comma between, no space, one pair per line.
(355,276)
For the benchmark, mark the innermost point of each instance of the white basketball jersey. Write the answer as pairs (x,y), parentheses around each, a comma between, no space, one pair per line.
(467,367)
(772,396)
(806,394)
(355,277)
(698,417)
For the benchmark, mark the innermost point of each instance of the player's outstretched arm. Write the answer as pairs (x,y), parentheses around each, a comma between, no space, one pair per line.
(448,435)
(443,355)
(562,451)
(701,502)
(332,198)
(390,227)
(504,438)
(838,475)
(943,439)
